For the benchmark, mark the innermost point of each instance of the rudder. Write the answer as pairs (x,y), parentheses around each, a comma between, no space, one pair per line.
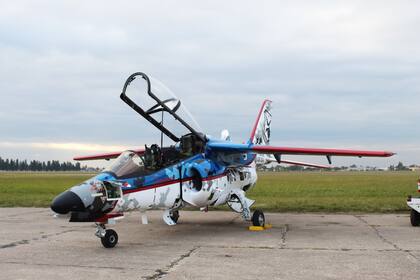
(260,134)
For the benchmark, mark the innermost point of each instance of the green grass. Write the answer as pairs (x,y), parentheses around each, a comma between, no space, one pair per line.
(35,189)
(334,191)
(284,191)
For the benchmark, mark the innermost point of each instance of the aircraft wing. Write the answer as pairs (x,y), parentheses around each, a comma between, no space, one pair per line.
(275,150)
(105,156)
(318,151)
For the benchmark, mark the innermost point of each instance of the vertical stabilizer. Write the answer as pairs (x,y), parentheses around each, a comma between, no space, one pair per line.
(260,134)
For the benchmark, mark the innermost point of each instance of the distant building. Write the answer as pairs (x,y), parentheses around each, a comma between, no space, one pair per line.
(356,168)
(414,167)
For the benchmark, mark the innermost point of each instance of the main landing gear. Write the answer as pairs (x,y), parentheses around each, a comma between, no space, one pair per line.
(239,203)
(258,218)
(109,237)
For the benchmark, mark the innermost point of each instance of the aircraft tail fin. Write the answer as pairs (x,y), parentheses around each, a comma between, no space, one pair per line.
(260,134)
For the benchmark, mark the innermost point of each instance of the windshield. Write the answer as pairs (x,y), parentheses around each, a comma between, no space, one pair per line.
(127,165)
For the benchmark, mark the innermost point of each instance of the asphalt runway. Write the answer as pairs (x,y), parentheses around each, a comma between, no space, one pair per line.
(213,245)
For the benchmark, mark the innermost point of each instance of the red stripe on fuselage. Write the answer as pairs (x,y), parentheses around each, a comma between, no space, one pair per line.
(170,182)
(213,177)
(154,186)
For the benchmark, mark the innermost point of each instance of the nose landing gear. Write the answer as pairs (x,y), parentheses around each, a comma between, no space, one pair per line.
(170,217)
(109,237)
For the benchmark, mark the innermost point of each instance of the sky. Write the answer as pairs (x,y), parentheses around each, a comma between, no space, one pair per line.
(341,74)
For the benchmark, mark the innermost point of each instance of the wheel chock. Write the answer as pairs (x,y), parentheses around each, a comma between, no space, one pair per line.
(255,228)
(268,226)
(258,228)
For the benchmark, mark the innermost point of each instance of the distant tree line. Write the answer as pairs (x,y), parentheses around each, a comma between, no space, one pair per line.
(35,165)
(399,167)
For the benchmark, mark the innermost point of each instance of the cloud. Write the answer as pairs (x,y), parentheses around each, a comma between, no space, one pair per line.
(65,146)
(342,72)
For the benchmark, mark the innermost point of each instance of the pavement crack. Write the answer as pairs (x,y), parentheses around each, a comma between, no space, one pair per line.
(240,247)
(385,240)
(161,272)
(66,265)
(14,244)
(305,248)
(283,235)
(26,241)
(375,229)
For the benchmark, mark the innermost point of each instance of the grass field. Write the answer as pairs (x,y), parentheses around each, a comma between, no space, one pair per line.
(334,191)
(285,191)
(35,189)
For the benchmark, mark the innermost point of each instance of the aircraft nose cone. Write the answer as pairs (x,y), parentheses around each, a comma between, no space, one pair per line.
(66,202)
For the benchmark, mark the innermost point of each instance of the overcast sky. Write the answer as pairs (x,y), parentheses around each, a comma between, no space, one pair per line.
(341,74)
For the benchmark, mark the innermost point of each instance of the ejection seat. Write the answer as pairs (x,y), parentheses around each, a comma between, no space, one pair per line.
(152,157)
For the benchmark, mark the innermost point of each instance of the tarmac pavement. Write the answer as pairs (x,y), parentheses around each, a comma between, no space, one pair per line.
(213,245)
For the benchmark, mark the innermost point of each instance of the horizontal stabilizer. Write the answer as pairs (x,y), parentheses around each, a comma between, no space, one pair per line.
(277,158)
(304,164)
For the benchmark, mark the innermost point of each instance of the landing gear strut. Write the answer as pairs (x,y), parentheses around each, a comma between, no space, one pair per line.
(109,237)
(239,203)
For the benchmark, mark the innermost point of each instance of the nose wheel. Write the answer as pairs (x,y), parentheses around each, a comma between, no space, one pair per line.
(109,237)
(174,216)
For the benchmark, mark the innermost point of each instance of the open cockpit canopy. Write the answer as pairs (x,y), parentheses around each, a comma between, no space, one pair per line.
(158,105)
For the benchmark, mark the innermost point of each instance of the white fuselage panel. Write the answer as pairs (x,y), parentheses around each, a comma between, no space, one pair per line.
(214,191)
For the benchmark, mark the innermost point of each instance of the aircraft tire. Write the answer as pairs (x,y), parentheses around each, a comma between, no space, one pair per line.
(414,218)
(174,216)
(110,239)
(258,218)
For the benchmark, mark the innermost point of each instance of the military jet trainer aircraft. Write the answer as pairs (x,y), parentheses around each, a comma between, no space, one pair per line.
(195,171)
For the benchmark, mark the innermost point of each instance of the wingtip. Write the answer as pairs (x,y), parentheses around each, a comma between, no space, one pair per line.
(389,154)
